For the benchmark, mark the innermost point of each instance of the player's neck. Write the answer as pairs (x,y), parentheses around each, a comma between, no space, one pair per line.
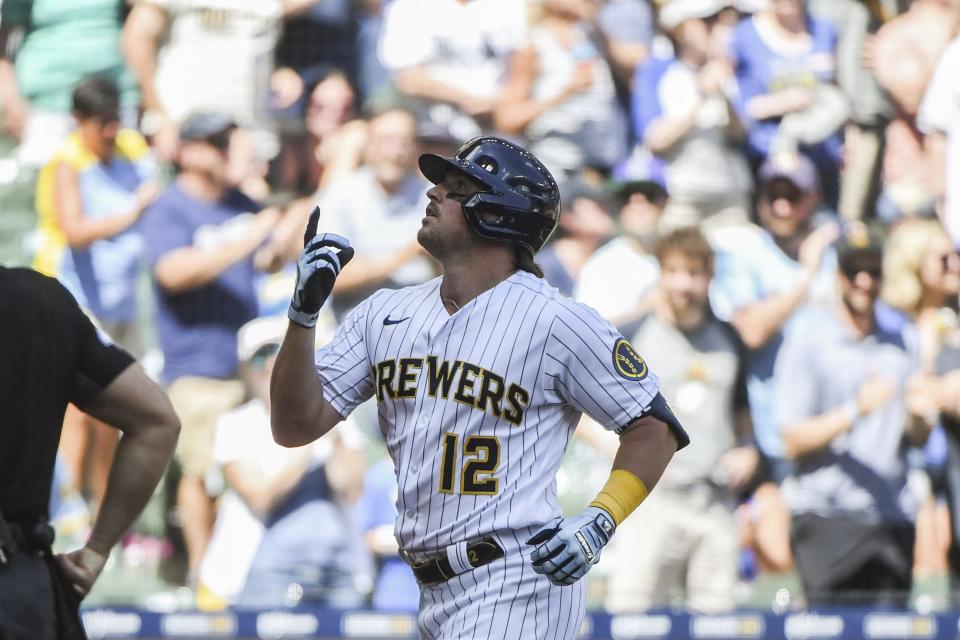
(467,277)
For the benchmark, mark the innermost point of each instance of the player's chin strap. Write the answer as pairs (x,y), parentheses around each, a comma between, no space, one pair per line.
(621,495)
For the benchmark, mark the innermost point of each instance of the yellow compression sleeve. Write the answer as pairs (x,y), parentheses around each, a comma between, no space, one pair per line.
(622,493)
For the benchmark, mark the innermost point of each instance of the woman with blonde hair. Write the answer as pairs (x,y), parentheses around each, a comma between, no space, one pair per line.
(922,279)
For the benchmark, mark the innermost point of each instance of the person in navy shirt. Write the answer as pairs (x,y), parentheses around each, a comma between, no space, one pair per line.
(201,238)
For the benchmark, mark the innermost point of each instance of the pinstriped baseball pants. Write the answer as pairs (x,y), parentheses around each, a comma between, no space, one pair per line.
(503,600)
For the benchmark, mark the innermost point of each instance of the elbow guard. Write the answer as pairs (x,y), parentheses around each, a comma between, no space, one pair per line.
(660,410)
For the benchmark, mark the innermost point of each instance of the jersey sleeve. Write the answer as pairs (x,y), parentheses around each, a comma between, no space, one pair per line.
(343,365)
(594,369)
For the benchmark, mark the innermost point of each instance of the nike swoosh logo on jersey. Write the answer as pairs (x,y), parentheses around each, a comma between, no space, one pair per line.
(387,321)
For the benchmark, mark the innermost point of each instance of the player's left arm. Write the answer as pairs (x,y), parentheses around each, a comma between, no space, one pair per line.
(568,547)
(598,372)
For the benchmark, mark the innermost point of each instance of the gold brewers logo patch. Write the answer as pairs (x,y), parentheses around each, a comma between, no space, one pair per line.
(628,362)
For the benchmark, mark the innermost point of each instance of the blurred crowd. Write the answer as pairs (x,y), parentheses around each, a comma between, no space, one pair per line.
(762,195)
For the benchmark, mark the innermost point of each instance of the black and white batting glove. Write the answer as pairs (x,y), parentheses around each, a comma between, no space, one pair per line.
(318,266)
(568,547)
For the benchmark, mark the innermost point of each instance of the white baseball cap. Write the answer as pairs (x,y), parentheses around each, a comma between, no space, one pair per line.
(258,333)
(676,11)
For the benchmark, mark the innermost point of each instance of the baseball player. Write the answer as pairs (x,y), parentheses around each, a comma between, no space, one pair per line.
(480,377)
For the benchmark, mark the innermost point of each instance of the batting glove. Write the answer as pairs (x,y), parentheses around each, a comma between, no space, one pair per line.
(323,257)
(568,547)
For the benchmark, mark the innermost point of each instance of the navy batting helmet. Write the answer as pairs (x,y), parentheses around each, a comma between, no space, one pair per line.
(519,191)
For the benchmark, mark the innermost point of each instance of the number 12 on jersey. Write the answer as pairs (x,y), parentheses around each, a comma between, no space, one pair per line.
(480,460)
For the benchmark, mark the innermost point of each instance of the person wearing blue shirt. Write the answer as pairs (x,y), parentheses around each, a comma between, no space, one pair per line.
(201,236)
(784,64)
(770,288)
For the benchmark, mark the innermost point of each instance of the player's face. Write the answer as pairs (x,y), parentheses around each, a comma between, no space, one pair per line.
(444,231)
(860,284)
(685,281)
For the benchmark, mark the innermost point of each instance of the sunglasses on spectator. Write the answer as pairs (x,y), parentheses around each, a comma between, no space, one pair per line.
(950,260)
(790,193)
(850,271)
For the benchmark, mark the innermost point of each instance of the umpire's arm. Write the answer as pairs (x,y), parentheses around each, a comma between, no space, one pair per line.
(137,406)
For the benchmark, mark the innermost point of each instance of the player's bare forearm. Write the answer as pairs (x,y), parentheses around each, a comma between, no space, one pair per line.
(646,447)
(298,413)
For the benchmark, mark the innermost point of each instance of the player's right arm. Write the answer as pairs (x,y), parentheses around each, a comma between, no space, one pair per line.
(299,413)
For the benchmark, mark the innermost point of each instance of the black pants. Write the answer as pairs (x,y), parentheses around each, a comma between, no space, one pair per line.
(845,562)
(35,603)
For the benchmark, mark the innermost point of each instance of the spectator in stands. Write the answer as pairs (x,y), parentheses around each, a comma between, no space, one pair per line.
(841,405)
(559,93)
(690,547)
(448,56)
(379,207)
(327,145)
(769,289)
(936,396)
(683,114)
(641,204)
(205,55)
(922,279)
(939,120)
(89,198)
(784,63)
(628,27)
(317,37)
(903,57)
(46,48)
(870,108)
(268,487)
(395,588)
(585,224)
(201,236)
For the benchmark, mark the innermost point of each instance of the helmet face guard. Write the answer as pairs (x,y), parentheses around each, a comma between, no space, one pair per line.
(520,202)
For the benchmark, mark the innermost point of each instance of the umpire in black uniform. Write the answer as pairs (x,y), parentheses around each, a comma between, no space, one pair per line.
(51,354)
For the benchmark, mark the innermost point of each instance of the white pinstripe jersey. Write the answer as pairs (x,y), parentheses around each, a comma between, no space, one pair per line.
(477,407)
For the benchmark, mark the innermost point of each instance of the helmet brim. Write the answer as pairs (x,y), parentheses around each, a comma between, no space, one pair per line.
(434,167)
